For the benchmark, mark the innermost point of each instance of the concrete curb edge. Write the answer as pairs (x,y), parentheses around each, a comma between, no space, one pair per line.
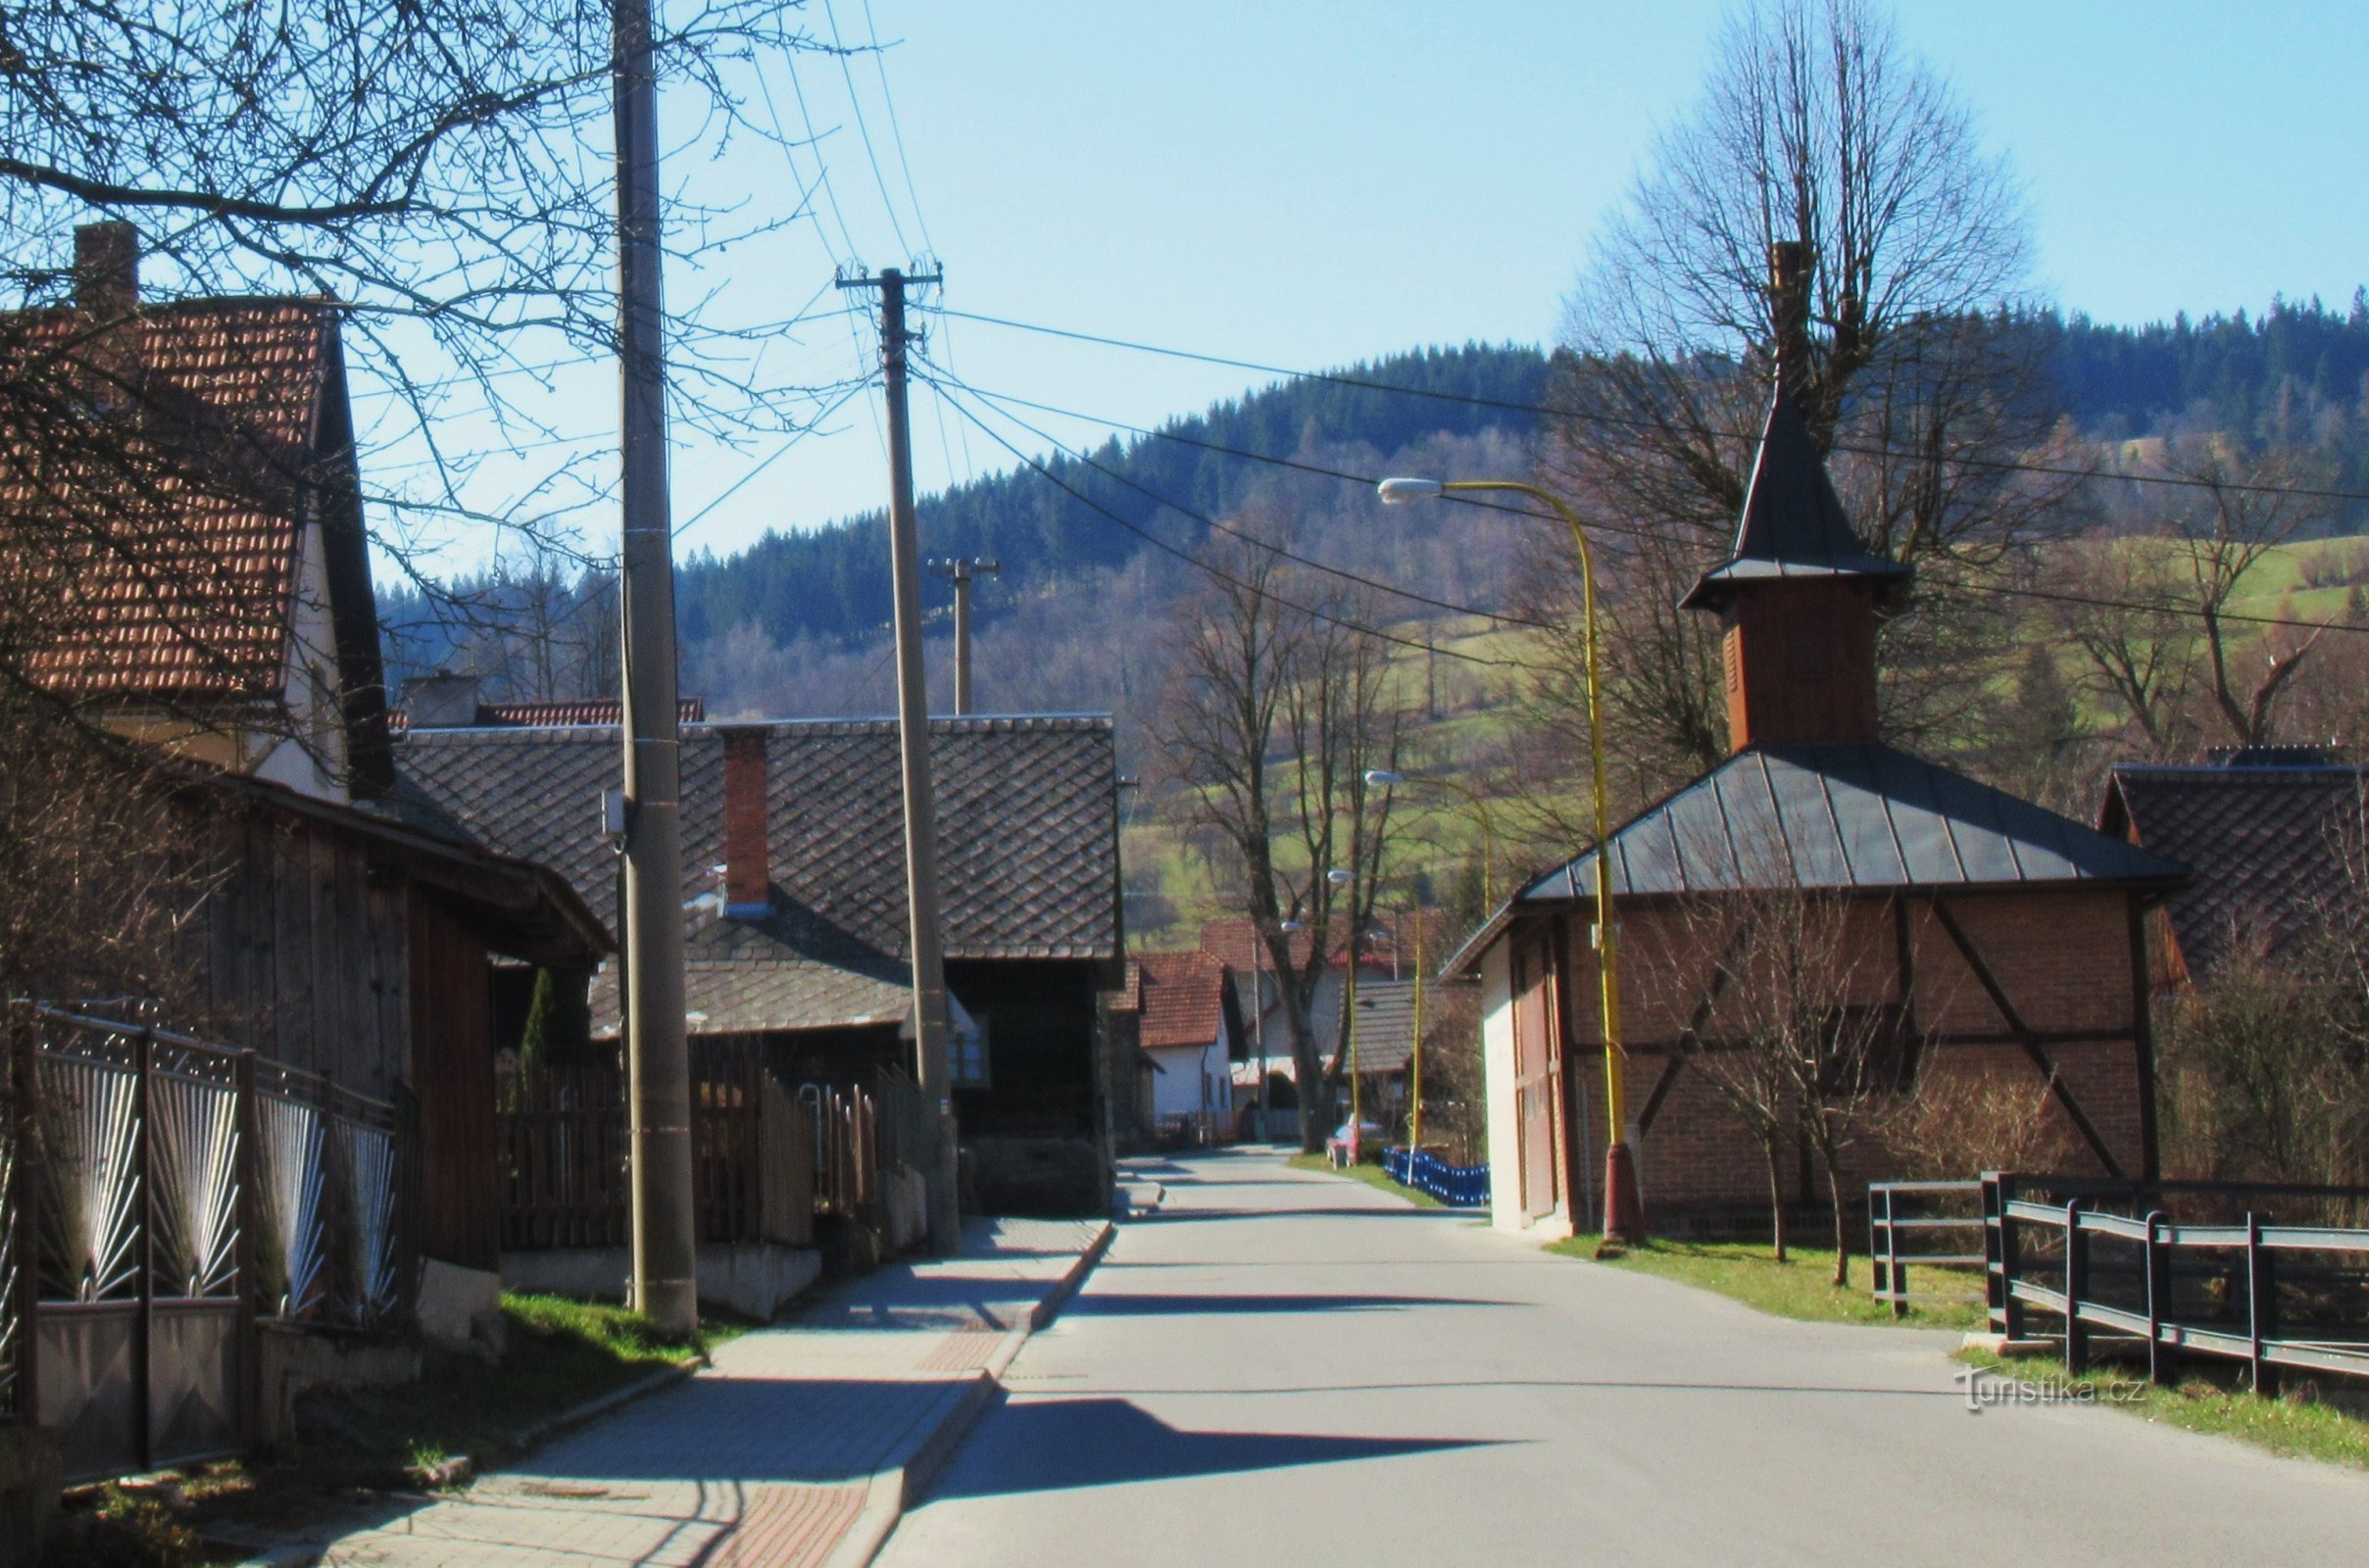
(891,1491)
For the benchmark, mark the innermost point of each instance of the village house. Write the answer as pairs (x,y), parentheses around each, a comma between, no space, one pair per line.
(1986,936)
(795,900)
(222,613)
(2274,834)
(1265,1058)
(1182,1011)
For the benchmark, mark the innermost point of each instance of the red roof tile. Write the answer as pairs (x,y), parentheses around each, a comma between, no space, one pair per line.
(558,712)
(1183,997)
(179,581)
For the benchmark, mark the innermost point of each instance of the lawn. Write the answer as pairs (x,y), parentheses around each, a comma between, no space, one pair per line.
(1802,1287)
(2295,1424)
(1371,1175)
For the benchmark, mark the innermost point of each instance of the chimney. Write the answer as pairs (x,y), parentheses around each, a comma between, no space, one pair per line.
(442,701)
(1789,267)
(748,874)
(107,271)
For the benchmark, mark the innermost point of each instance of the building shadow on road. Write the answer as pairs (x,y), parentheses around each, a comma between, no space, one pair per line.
(1059,1445)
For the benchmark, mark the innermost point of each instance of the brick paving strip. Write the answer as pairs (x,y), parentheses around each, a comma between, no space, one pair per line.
(798,1449)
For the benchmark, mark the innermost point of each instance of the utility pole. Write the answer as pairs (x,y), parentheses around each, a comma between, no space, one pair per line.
(665,1247)
(958,571)
(912,736)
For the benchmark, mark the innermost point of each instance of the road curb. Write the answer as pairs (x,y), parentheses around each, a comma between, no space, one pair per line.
(891,1491)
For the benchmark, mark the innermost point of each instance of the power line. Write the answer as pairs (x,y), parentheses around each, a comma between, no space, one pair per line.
(1198,564)
(896,132)
(1310,561)
(856,105)
(1336,379)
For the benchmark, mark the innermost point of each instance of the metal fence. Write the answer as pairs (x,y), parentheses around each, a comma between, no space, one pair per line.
(1931,1225)
(1457,1186)
(165,1196)
(2182,1269)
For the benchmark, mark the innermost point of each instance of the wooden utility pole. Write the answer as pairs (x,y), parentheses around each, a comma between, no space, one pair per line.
(960,571)
(666,1250)
(933,1065)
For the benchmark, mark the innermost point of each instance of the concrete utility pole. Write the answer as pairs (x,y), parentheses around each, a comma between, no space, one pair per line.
(958,571)
(666,1245)
(913,734)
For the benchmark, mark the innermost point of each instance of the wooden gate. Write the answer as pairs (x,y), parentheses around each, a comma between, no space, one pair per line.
(1535,1021)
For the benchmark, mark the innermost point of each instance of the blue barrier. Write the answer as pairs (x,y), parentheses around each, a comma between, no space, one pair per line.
(1457,1186)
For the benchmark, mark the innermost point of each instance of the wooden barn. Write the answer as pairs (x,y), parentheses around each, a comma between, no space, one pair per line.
(793,884)
(1982,939)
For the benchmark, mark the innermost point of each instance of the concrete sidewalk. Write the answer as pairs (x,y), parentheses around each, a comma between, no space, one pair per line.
(799,1447)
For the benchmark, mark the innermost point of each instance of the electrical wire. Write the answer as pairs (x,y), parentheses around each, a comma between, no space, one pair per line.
(1336,379)
(1341,572)
(855,106)
(1198,564)
(1629,530)
(896,132)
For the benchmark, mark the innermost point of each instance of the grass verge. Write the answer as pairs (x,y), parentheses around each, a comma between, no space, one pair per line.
(2294,1424)
(1371,1175)
(1802,1287)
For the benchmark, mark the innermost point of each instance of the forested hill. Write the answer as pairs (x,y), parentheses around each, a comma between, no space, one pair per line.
(833,582)
(2292,375)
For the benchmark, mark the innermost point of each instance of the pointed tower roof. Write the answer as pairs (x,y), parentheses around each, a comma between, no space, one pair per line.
(1794,524)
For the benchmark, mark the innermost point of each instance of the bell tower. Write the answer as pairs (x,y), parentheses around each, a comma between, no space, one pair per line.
(1799,596)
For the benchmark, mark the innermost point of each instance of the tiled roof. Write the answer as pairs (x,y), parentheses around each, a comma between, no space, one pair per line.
(1234,944)
(558,712)
(1385,1033)
(2265,842)
(736,996)
(1183,997)
(1028,829)
(197,603)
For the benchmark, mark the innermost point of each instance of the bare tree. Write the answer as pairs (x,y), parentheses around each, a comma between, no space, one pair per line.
(1791,1035)
(1274,716)
(1816,132)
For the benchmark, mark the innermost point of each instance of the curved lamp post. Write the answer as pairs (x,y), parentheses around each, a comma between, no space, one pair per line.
(1624,1210)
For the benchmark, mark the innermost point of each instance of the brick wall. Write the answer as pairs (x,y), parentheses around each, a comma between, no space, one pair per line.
(2062,957)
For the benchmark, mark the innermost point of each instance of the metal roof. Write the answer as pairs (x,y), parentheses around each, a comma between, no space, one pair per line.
(1792,525)
(1848,816)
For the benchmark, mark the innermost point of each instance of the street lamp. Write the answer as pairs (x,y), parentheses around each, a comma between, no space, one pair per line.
(1624,1212)
(1391,778)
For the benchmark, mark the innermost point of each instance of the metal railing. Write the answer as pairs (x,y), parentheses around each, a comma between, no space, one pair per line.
(1457,1186)
(2182,1269)
(1907,1222)
(165,1196)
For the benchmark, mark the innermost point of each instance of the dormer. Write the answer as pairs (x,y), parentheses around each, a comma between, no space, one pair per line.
(1799,595)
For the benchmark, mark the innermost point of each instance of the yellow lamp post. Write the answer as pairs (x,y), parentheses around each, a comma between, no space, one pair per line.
(1624,1211)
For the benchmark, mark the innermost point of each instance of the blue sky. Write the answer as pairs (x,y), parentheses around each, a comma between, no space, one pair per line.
(1304,182)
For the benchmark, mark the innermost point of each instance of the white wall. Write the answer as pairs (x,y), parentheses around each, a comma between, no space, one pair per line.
(1497,1064)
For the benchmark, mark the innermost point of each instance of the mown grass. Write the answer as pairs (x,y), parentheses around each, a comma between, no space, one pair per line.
(2296,1424)
(1802,1287)
(1371,1175)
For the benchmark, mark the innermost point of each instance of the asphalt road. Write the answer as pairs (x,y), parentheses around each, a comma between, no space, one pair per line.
(1282,1367)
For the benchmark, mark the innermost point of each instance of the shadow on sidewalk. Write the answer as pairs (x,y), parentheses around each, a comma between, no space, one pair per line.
(1113,1304)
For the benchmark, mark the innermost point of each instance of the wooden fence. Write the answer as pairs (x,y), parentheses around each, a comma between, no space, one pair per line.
(2182,1269)
(767,1157)
(1931,1225)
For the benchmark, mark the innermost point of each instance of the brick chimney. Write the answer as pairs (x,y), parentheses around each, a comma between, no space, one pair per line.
(107,271)
(748,871)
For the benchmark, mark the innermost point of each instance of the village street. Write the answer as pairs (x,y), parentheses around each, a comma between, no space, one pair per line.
(1286,1367)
